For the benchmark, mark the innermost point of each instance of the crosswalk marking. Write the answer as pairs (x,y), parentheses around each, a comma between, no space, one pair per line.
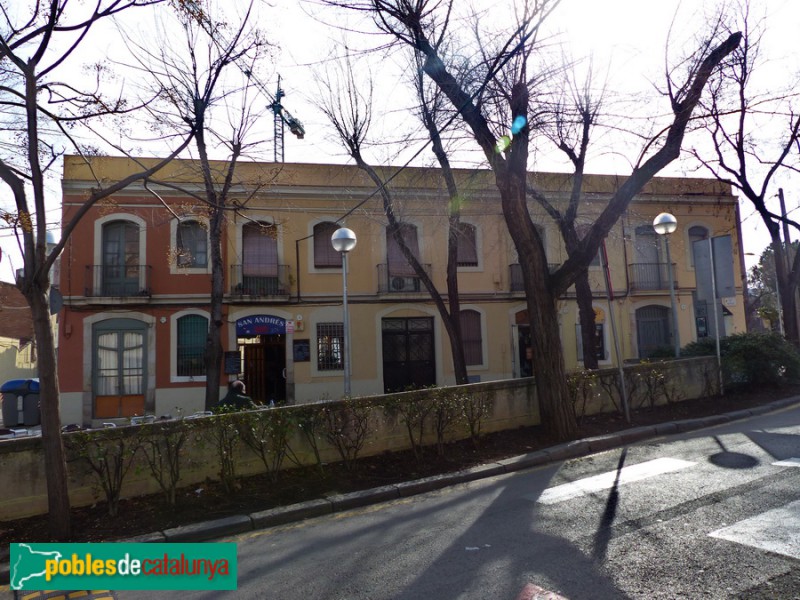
(606,481)
(789,462)
(776,530)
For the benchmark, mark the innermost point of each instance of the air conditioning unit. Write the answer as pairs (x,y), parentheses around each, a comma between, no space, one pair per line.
(404,284)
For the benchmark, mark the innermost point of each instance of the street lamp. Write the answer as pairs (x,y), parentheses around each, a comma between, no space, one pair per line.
(665,224)
(344,240)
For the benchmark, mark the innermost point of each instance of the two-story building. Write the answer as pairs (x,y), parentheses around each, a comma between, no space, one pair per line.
(135,277)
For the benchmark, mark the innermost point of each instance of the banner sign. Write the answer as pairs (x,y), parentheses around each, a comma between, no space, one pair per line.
(260,325)
(123,566)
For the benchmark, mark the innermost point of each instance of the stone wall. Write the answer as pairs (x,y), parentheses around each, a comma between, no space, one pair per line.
(511,404)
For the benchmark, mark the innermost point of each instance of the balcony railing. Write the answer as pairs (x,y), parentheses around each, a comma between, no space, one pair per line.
(270,280)
(117,281)
(649,276)
(393,283)
(515,275)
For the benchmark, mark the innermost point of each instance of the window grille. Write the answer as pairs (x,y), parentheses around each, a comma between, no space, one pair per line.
(192,330)
(330,346)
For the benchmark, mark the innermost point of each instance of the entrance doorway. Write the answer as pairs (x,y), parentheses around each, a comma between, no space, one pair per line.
(408,354)
(264,364)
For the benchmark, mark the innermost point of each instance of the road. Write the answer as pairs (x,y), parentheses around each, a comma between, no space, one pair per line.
(712,514)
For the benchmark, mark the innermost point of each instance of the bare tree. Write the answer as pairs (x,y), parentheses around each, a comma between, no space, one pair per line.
(214,70)
(350,112)
(755,136)
(43,113)
(423,25)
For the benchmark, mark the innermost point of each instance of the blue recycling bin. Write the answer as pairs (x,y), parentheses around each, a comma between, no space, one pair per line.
(21,402)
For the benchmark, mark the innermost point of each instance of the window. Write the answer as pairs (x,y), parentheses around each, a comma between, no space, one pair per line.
(120,259)
(398,265)
(260,271)
(471,339)
(325,257)
(191,245)
(696,233)
(192,330)
(330,347)
(467,251)
(599,341)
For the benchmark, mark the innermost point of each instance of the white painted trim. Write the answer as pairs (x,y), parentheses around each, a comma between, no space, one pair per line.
(173,345)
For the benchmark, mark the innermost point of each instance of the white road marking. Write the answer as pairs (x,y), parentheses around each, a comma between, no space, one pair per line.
(606,481)
(789,462)
(776,531)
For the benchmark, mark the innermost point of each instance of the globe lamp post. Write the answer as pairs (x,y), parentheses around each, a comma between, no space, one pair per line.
(343,241)
(665,224)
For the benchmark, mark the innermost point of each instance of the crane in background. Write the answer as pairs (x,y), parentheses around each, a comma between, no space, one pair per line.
(282,118)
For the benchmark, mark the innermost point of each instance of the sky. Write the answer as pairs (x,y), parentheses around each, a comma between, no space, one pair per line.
(625,38)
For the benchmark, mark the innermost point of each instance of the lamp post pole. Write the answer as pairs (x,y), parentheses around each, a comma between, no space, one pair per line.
(343,241)
(665,224)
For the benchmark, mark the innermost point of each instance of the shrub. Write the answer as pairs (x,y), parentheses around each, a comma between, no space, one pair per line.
(751,360)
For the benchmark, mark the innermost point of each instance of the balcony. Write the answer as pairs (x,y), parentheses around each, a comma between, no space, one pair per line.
(117,281)
(515,275)
(261,281)
(648,277)
(392,283)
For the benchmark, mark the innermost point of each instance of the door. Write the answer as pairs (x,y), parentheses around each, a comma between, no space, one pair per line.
(120,276)
(652,329)
(408,354)
(119,369)
(265,368)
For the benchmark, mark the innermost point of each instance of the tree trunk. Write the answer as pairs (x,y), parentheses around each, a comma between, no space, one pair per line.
(55,464)
(548,359)
(213,350)
(586,315)
(787,297)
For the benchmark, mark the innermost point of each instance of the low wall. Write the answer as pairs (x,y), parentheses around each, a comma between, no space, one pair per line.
(510,404)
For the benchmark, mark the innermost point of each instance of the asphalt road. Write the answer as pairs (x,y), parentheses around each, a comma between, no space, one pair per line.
(703,515)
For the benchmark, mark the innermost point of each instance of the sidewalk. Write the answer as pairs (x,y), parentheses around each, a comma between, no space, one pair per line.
(208,530)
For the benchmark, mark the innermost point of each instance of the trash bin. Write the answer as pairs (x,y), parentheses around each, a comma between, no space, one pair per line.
(21,402)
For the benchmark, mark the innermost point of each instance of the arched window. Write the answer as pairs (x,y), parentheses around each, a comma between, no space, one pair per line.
(696,234)
(467,245)
(653,329)
(190,345)
(120,267)
(191,245)
(325,257)
(471,338)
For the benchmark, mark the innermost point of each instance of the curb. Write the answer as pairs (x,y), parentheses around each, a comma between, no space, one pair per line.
(207,530)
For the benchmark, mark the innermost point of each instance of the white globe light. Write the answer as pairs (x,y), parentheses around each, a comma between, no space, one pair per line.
(343,239)
(665,223)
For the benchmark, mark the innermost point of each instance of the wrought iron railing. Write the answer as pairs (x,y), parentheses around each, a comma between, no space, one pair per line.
(260,280)
(117,281)
(649,276)
(390,282)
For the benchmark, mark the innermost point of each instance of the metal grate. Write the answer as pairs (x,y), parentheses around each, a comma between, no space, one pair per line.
(330,346)
(192,330)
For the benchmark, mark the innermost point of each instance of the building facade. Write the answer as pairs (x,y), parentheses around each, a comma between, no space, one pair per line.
(135,276)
